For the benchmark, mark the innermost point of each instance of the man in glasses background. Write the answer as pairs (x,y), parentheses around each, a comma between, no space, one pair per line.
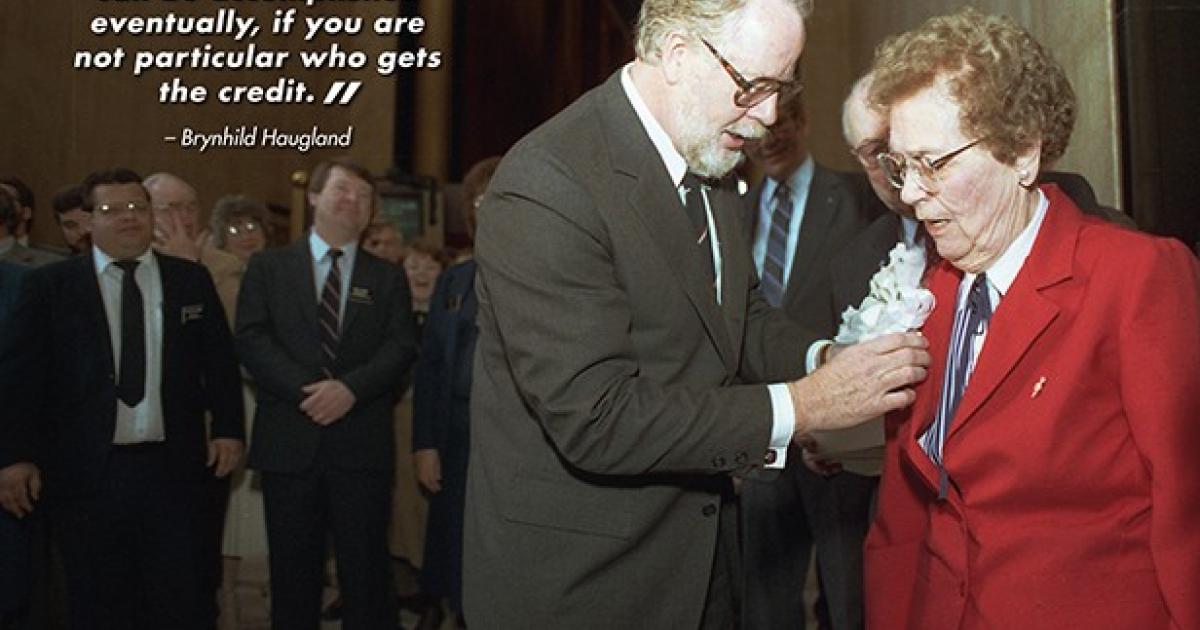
(624,348)
(179,231)
(107,366)
(800,217)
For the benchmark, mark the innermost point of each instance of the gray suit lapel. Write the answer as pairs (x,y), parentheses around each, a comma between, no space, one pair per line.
(652,198)
(819,211)
(735,273)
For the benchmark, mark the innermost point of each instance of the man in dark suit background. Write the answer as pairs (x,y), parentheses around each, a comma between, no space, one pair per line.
(108,365)
(865,129)
(14,537)
(326,331)
(800,217)
(623,343)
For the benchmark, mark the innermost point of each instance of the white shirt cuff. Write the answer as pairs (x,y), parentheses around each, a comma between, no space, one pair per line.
(783,423)
(812,359)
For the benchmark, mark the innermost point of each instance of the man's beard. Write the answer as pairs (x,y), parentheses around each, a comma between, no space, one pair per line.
(701,146)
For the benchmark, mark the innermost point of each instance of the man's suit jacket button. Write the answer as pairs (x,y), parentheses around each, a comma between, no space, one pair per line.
(741,459)
(718,462)
(770,458)
(709,510)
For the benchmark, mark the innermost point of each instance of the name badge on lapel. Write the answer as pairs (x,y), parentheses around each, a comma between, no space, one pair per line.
(190,312)
(361,295)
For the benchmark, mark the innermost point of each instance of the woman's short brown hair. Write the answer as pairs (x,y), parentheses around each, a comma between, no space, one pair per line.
(1012,92)
(232,207)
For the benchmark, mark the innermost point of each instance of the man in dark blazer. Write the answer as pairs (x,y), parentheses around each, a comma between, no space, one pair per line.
(107,367)
(14,537)
(326,331)
(624,347)
(800,217)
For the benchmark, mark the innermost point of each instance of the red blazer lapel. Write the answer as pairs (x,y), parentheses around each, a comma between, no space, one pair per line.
(943,281)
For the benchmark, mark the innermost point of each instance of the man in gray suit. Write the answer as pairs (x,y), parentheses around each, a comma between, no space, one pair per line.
(326,330)
(800,217)
(624,345)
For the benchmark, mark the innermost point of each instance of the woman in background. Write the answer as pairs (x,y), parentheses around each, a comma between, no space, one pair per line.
(239,225)
(441,435)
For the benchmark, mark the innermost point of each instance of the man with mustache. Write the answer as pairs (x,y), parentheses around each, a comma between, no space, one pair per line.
(627,365)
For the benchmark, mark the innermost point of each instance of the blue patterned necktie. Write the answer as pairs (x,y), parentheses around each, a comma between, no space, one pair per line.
(970,322)
(328,313)
(774,261)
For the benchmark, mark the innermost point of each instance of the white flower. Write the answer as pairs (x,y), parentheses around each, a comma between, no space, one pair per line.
(896,302)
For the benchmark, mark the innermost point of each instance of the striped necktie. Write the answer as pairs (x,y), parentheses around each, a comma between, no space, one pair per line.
(328,313)
(777,238)
(970,322)
(698,215)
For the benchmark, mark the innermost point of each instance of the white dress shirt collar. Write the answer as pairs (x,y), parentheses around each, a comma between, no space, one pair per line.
(319,249)
(1004,271)
(798,182)
(672,159)
(102,260)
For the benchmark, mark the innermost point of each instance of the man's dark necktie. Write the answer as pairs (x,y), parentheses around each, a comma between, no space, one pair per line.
(777,238)
(699,217)
(328,313)
(131,382)
(969,322)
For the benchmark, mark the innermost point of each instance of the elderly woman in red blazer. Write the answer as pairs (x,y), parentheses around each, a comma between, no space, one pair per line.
(1048,475)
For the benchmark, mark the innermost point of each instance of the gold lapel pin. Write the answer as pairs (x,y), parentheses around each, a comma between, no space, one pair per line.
(1037,387)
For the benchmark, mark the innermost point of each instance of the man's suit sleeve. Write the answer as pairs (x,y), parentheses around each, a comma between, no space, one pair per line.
(775,344)
(380,374)
(548,278)
(222,378)
(258,345)
(1160,360)
(24,358)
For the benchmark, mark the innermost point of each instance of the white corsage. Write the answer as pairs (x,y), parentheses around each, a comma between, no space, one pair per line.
(896,302)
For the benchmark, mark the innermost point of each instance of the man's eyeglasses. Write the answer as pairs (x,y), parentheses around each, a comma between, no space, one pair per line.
(114,209)
(869,151)
(243,229)
(753,92)
(897,165)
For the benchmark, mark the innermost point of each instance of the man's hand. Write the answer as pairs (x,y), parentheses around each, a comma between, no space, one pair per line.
(170,237)
(20,487)
(327,401)
(860,382)
(428,463)
(226,453)
(814,459)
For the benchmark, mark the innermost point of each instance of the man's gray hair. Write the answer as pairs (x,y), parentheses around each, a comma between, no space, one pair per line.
(703,18)
(857,100)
